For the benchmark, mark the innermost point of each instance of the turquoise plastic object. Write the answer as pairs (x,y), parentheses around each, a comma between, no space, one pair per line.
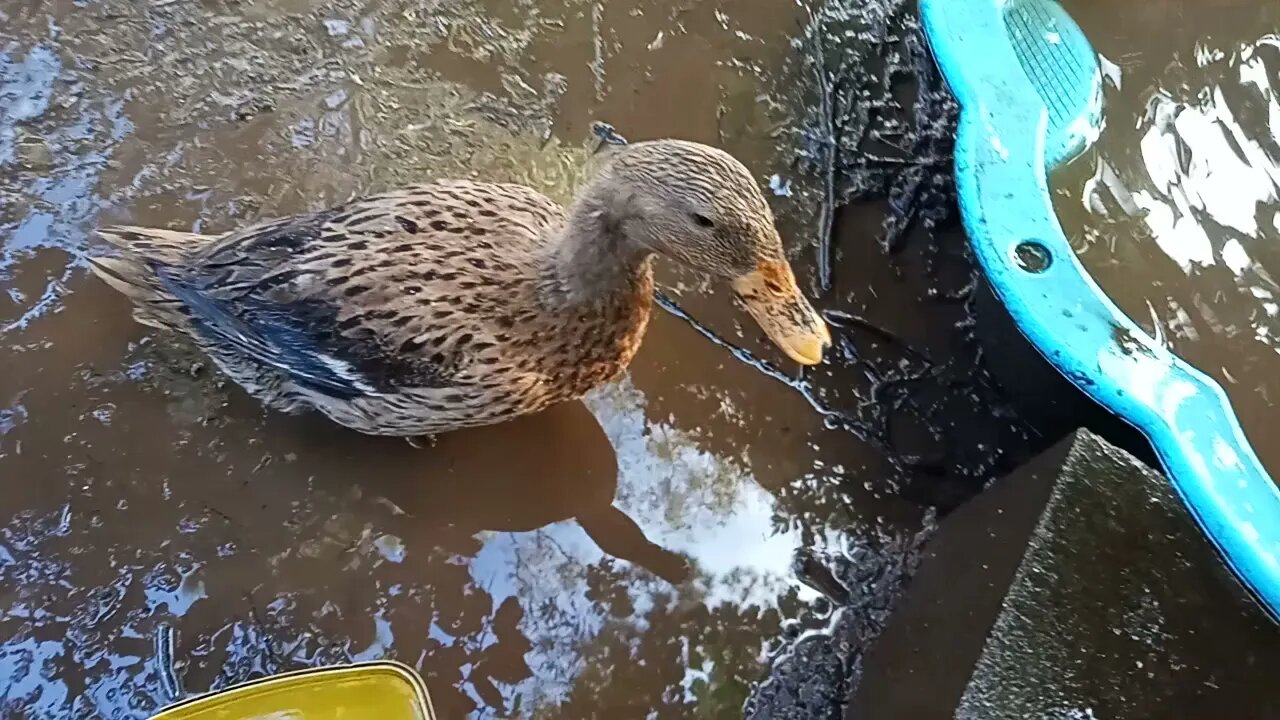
(1029,87)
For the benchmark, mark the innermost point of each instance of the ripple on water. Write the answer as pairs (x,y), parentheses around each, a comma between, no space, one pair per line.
(1184,190)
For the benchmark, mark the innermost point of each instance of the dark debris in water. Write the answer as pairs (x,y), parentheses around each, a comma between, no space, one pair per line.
(607,134)
(863,140)
(814,674)
(881,130)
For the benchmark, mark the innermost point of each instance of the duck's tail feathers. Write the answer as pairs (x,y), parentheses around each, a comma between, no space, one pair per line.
(133,271)
(167,246)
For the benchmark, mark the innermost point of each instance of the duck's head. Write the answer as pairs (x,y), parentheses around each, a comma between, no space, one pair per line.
(699,206)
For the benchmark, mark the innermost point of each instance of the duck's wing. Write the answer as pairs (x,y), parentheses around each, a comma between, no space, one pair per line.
(285,295)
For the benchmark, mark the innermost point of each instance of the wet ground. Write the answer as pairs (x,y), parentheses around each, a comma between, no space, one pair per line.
(647,552)
(1176,212)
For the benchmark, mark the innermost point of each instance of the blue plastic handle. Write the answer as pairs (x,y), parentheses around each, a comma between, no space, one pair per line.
(1001,178)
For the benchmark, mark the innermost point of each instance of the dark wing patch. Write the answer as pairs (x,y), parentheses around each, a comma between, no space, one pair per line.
(236,295)
(271,337)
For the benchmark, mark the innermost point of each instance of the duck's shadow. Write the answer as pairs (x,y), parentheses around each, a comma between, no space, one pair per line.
(517,476)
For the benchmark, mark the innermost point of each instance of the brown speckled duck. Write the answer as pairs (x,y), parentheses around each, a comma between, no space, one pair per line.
(458,304)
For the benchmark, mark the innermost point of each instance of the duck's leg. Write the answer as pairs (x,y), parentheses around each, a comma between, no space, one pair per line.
(614,532)
(421,442)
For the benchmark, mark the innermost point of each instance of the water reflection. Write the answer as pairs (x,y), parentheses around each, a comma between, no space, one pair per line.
(510,570)
(1210,164)
(1185,189)
(516,477)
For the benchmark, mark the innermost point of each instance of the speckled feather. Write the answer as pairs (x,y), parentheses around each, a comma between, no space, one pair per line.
(458,304)
(408,313)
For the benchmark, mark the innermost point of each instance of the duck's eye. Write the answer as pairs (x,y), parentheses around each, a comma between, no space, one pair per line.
(702,220)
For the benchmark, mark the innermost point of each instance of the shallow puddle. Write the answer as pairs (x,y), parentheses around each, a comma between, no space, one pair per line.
(635,555)
(1176,212)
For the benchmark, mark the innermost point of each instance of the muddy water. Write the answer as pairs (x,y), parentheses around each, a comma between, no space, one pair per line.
(160,534)
(1176,213)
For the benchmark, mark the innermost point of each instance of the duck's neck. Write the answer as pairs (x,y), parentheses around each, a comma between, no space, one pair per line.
(594,262)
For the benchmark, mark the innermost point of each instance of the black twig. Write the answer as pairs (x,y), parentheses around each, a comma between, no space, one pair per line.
(830,145)
(833,418)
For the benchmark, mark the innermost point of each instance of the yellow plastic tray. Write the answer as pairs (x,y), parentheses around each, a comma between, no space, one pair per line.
(381,690)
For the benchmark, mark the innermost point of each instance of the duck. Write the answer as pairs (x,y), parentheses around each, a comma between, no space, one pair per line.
(458,303)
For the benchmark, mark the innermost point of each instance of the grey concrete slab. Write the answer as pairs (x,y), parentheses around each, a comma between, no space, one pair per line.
(1076,588)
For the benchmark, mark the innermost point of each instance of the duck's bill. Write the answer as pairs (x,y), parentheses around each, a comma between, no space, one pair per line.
(772,297)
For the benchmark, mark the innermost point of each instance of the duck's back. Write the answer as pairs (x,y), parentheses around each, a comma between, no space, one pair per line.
(405,313)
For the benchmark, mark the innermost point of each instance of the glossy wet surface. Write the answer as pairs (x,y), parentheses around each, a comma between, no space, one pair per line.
(1176,213)
(160,534)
